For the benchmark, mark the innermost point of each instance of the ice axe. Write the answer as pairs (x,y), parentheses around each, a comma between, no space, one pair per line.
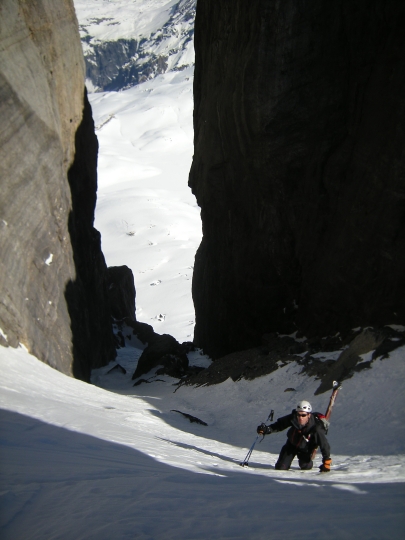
(335,389)
(245,462)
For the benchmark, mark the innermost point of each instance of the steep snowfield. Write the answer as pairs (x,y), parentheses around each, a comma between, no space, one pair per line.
(148,218)
(146,214)
(82,461)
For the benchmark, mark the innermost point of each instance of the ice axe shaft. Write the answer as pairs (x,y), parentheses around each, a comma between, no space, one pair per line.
(245,462)
(335,390)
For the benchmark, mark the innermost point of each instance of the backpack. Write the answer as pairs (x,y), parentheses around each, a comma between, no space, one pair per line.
(320,420)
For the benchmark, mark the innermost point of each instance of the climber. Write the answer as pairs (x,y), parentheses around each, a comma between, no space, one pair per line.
(307,432)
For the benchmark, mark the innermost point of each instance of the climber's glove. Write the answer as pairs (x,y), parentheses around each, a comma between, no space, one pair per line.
(264,430)
(325,467)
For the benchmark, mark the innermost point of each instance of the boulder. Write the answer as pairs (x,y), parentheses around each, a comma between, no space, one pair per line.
(165,351)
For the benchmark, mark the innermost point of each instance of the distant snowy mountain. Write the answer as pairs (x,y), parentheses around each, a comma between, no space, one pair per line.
(128,42)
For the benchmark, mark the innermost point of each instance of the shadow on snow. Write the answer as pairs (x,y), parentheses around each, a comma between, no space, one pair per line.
(64,484)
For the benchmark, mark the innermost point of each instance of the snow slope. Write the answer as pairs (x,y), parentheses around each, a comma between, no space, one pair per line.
(82,461)
(148,218)
(146,214)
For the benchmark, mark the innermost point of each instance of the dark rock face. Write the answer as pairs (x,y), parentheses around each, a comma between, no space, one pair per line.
(52,272)
(87,296)
(368,340)
(277,351)
(109,66)
(121,292)
(299,168)
(163,351)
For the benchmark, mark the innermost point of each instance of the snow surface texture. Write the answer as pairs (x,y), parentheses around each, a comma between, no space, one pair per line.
(113,461)
(148,218)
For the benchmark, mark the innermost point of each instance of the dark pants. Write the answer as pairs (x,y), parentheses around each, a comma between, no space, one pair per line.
(288,453)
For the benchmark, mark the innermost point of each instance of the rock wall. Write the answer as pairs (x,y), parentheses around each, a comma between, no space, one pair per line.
(52,272)
(299,168)
(109,65)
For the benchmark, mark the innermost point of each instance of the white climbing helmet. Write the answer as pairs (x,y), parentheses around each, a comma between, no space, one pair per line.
(304,406)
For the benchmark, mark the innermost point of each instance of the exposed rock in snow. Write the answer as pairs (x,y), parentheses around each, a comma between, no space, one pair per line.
(164,351)
(325,359)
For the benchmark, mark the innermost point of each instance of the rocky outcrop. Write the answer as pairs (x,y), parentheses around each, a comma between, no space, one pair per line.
(163,350)
(368,340)
(52,271)
(299,168)
(121,292)
(313,357)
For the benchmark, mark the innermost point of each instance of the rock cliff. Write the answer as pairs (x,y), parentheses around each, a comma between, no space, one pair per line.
(299,168)
(52,271)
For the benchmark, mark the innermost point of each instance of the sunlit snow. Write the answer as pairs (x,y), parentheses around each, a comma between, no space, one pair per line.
(148,218)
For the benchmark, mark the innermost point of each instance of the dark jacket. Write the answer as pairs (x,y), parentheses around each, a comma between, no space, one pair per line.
(307,438)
